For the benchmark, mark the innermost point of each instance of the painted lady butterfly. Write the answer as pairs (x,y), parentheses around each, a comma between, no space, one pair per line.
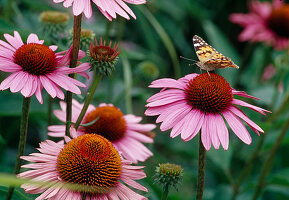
(210,59)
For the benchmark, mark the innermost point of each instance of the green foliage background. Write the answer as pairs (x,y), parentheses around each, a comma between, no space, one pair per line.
(162,32)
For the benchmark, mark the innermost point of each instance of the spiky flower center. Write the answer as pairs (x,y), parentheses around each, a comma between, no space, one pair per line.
(90,160)
(102,52)
(110,123)
(36,59)
(279,21)
(210,94)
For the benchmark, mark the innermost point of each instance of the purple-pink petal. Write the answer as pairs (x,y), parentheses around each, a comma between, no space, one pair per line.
(222,131)
(237,126)
(167,82)
(256,108)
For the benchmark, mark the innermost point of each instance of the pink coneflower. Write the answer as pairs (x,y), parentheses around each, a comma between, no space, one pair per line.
(197,102)
(109,8)
(266,22)
(90,160)
(124,131)
(34,66)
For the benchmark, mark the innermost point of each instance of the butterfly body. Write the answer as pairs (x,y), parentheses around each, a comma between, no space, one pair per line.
(209,58)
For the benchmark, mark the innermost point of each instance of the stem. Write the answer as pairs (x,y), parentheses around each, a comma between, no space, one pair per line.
(75,49)
(201,171)
(268,163)
(165,193)
(88,98)
(22,140)
(128,84)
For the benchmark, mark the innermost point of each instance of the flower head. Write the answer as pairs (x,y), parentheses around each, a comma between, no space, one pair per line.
(89,160)
(103,58)
(53,24)
(168,175)
(34,66)
(109,8)
(266,22)
(124,131)
(200,102)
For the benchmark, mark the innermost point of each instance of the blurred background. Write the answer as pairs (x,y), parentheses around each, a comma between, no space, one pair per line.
(151,48)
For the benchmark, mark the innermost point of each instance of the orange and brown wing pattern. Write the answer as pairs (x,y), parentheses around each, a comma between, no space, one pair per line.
(203,50)
(221,63)
(210,56)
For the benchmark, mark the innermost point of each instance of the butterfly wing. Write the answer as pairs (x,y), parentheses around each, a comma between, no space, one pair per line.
(209,56)
(203,50)
(222,62)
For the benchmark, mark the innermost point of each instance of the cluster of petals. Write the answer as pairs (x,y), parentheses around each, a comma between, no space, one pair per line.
(43,167)
(130,145)
(29,84)
(255,24)
(177,114)
(109,8)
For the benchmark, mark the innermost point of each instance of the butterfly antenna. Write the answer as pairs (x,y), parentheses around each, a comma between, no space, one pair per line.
(182,57)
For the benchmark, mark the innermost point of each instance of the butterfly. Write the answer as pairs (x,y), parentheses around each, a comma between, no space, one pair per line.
(209,58)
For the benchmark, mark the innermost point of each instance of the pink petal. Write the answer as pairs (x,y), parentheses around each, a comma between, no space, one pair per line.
(167,82)
(222,131)
(19,82)
(213,130)
(240,114)
(165,94)
(78,6)
(205,133)
(192,124)
(33,38)
(7,82)
(257,109)
(237,126)
(14,41)
(7,66)
(28,86)
(47,84)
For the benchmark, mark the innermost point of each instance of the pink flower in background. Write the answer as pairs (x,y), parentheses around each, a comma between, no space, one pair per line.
(89,160)
(124,131)
(34,66)
(200,102)
(266,22)
(109,8)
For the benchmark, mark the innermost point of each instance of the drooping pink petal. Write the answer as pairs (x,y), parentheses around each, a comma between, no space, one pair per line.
(222,131)
(240,114)
(237,126)
(196,123)
(213,130)
(256,108)
(205,134)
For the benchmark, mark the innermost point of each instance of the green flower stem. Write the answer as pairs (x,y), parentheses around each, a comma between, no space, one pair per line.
(165,193)
(201,170)
(268,163)
(75,49)
(22,140)
(89,97)
(128,84)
